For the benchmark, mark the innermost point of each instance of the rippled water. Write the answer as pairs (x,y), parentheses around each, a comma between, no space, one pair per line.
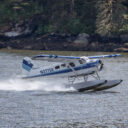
(39,103)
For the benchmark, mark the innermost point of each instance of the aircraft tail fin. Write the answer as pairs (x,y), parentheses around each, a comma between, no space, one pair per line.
(27,64)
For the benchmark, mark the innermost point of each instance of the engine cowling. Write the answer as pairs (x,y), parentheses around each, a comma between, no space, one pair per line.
(100,65)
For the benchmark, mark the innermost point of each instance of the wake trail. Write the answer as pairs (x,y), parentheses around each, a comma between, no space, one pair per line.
(16,84)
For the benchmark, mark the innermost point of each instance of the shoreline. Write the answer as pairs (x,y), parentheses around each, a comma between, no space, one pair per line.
(72,53)
(64,42)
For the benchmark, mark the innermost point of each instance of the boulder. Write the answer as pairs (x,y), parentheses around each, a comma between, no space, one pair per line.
(122,49)
(126,45)
(124,37)
(82,39)
(21,28)
(2,45)
(12,34)
(6,27)
(95,44)
(83,36)
(84,42)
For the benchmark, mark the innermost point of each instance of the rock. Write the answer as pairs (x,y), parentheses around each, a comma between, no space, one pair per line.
(83,36)
(124,37)
(82,39)
(94,44)
(126,45)
(69,40)
(9,48)
(2,45)
(84,42)
(17,8)
(21,28)
(28,47)
(5,28)
(12,34)
(25,4)
(122,49)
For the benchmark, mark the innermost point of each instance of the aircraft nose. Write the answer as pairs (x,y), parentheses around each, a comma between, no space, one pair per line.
(100,65)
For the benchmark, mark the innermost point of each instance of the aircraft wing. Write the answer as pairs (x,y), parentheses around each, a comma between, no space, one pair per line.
(104,56)
(59,58)
(55,58)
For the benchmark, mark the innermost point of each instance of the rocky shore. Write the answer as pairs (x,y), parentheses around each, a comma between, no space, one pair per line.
(22,36)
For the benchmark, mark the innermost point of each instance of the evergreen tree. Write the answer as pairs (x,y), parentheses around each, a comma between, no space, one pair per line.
(86,13)
(110,17)
(125,23)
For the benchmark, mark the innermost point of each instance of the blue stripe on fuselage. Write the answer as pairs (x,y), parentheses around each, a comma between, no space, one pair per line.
(84,66)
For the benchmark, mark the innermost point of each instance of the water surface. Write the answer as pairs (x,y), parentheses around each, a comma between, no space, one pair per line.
(39,103)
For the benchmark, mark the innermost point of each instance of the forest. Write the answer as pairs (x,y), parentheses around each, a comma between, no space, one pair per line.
(85,25)
(103,17)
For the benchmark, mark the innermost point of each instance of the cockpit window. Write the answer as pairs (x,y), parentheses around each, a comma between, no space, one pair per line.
(80,61)
(57,67)
(72,64)
(63,65)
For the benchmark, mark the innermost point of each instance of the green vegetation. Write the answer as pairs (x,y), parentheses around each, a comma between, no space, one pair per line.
(110,17)
(12,10)
(104,17)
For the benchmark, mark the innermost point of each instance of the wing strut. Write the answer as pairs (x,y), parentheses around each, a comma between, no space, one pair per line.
(74,77)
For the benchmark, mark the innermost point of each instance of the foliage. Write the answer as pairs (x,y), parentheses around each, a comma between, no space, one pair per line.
(105,17)
(43,29)
(13,11)
(86,12)
(110,17)
(125,24)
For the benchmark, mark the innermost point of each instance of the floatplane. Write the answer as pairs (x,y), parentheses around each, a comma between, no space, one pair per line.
(71,67)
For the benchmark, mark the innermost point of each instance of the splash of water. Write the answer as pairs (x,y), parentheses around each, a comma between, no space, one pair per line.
(25,85)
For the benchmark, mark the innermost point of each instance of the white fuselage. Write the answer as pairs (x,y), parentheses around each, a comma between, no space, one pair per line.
(69,69)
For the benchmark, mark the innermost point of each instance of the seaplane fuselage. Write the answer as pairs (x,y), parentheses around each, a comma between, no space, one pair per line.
(68,69)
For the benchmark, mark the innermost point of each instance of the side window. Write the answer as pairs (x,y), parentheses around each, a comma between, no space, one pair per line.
(80,61)
(57,67)
(72,64)
(63,65)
